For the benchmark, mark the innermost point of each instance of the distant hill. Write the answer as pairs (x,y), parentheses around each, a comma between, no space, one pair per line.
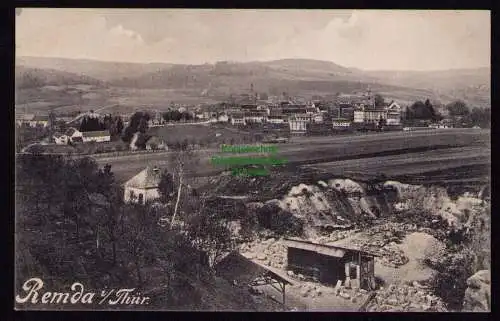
(471,85)
(101,70)
(26,77)
(295,76)
(443,79)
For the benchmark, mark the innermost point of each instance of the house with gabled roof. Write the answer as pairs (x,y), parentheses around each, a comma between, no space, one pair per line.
(394,113)
(96,136)
(143,187)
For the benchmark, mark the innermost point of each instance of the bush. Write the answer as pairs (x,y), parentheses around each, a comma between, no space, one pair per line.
(279,221)
(450,282)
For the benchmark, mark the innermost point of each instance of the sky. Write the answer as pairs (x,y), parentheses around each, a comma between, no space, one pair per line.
(365,39)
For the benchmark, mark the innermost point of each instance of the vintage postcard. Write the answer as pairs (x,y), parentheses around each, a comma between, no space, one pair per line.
(252,160)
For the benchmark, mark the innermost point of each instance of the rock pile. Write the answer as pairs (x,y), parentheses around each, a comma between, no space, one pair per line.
(309,290)
(393,228)
(270,252)
(335,236)
(405,298)
(390,254)
(478,293)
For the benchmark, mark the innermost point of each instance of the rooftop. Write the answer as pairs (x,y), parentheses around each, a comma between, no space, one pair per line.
(337,251)
(236,267)
(40,118)
(147,178)
(70,131)
(98,133)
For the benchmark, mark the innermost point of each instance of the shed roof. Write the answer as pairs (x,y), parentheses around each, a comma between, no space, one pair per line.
(147,178)
(70,131)
(40,118)
(242,270)
(97,133)
(331,250)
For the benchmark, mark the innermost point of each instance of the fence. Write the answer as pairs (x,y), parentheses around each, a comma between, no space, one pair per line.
(125,153)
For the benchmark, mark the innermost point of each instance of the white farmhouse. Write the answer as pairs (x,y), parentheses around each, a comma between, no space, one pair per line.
(96,136)
(143,187)
(394,114)
(61,139)
(74,135)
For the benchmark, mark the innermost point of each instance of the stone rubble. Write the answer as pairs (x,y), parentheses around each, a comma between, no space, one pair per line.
(270,251)
(405,298)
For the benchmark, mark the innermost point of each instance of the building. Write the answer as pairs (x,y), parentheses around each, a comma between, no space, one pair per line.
(74,135)
(341,123)
(24,119)
(330,264)
(96,136)
(298,124)
(296,109)
(257,116)
(40,120)
(155,143)
(318,129)
(223,118)
(60,139)
(248,107)
(318,118)
(243,272)
(143,187)
(157,120)
(276,119)
(394,112)
(370,115)
(238,119)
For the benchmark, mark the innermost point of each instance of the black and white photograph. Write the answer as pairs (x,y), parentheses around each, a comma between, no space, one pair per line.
(268,160)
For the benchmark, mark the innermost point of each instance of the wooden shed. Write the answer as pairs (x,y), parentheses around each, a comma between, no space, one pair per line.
(329,264)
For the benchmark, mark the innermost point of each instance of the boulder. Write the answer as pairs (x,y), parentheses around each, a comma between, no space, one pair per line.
(261,256)
(392,301)
(478,293)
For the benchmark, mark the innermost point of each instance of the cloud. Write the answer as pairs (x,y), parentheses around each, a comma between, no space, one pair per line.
(120,31)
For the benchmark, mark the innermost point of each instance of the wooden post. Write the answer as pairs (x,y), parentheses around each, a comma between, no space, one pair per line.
(284,285)
(358,274)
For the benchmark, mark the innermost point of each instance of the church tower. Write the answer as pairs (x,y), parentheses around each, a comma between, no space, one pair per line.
(371,99)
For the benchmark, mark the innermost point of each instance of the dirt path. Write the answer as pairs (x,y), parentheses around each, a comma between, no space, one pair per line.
(416,246)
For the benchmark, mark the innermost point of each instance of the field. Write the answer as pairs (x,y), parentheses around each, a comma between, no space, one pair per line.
(393,154)
(201,134)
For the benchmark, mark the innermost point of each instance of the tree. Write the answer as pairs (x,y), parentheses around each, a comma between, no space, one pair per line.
(458,108)
(421,111)
(209,231)
(166,186)
(138,123)
(480,117)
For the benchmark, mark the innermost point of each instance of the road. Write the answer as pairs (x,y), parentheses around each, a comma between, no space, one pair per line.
(401,152)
